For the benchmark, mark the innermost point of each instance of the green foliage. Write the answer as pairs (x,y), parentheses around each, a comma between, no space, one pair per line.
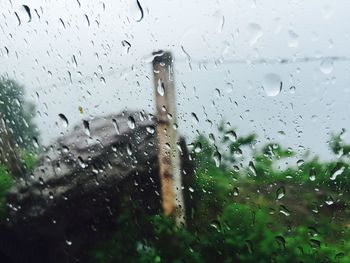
(253,213)
(17,113)
(5,184)
(29,159)
(6,180)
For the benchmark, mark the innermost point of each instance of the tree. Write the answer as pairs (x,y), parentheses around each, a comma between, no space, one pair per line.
(17,114)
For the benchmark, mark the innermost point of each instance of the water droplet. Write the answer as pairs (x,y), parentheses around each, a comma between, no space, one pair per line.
(326,66)
(315,243)
(116,126)
(27,10)
(81,162)
(292,89)
(231,135)
(293,39)
(329,200)
(63,24)
(255,32)
(338,170)
(252,168)
(129,149)
(186,53)
(238,152)
(17,102)
(35,142)
(272,84)
(281,242)
(218,93)
(283,210)
(141,10)
(65,149)
(131,122)
(68,242)
(74,59)
(300,162)
(327,11)
(7,51)
(312,174)
(150,129)
(41,181)
(160,88)
(280,193)
(19,20)
(313,231)
(167,146)
(216,225)
(58,168)
(64,120)
(127,45)
(194,118)
(236,191)
(87,19)
(217,158)
(249,245)
(281,134)
(236,168)
(211,138)
(86,127)
(198,147)
(338,257)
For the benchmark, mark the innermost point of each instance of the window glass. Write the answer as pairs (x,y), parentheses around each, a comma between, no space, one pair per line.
(174,131)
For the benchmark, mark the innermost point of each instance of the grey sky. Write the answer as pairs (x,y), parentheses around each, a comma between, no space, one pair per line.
(41,53)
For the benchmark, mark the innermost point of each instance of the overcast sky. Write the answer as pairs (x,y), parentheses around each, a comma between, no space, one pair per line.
(85,39)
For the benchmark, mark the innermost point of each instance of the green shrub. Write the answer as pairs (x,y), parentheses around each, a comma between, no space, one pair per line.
(6,182)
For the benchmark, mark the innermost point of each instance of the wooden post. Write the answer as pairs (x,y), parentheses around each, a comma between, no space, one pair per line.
(169,158)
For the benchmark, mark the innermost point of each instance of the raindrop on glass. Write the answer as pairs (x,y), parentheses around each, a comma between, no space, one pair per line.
(64,120)
(312,174)
(337,171)
(292,89)
(272,84)
(131,122)
(141,10)
(252,168)
(281,242)
(28,12)
(86,127)
(255,32)
(280,193)
(198,147)
(326,66)
(283,210)
(194,118)
(293,39)
(150,129)
(231,135)
(160,88)
(217,158)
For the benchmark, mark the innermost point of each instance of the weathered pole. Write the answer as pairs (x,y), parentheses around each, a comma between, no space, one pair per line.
(168,155)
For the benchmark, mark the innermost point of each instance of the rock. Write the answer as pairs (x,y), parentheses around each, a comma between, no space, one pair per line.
(73,197)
